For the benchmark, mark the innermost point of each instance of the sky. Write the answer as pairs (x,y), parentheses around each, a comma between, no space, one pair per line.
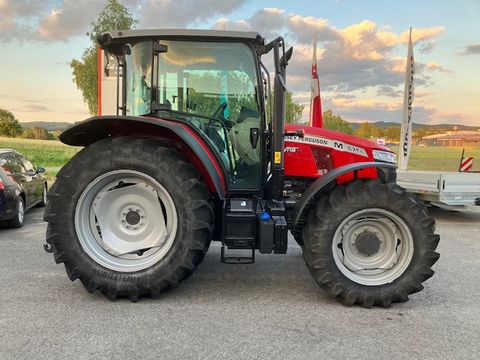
(362,47)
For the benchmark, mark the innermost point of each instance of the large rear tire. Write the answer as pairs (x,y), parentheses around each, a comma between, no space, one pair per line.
(129,217)
(370,243)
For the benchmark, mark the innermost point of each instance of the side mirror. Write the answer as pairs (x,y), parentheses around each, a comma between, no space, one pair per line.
(40,170)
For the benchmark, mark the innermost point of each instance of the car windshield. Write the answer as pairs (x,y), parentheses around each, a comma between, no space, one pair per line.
(212,85)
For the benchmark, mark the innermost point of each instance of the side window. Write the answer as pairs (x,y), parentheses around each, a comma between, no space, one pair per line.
(27,165)
(11,164)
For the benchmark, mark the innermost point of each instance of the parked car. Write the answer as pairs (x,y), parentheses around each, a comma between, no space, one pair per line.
(22,186)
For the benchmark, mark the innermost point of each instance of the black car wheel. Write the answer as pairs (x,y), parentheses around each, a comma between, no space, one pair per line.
(43,202)
(19,218)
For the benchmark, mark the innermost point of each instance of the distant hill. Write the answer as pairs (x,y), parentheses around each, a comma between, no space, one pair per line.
(52,126)
(49,125)
(416,126)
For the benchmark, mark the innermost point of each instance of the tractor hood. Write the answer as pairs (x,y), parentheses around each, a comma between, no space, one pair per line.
(336,135)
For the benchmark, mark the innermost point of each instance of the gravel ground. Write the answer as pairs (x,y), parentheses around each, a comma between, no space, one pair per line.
(269,310)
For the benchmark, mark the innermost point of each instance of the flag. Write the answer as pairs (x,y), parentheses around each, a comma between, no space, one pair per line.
(316,119)
(406,126)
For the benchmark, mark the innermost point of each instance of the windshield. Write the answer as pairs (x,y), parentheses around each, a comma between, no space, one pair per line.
(212,85)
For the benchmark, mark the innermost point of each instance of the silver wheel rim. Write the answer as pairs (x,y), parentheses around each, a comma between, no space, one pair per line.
(126,221)
(21,212)
(44,195)
(373,247)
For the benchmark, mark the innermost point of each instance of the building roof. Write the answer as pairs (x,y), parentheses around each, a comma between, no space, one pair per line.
(454,135)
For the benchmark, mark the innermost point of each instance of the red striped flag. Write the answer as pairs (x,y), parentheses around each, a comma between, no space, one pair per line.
(316,119)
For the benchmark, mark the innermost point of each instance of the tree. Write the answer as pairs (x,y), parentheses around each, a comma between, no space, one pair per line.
(113,17)
(393,133)
(335,122)
(9,125)
(294,111)
(36,133)
(368,130)
(420,133)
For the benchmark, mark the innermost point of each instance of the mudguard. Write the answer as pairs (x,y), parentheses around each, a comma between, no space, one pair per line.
(99,127)
(319,184)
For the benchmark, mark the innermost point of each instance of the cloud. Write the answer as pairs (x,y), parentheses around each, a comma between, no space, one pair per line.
(359,110)
(303,29)
(351,58)
(72,18)
(434,66)
(224,23)
(421,34)
(13,15)
(427,47)
(182,13)
(37,108)
(385,90)
(472,49)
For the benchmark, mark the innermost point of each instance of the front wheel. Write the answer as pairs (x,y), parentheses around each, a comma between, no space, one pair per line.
(370,243)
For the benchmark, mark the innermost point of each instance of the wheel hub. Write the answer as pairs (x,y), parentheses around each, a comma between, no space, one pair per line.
(133,217)
(367,243)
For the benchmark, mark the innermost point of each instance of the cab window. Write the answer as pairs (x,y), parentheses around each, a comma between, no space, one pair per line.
(213,85)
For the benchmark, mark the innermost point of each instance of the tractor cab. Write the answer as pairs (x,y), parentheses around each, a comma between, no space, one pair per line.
(213,83)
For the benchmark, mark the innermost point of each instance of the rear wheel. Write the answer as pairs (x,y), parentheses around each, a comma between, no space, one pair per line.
(370,243)
(297,234)
(18,220)
(135,222)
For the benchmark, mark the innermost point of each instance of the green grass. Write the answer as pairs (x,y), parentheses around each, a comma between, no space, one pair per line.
(50,154)
(441,158)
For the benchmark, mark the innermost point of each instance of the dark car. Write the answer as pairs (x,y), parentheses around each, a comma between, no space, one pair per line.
(22,186)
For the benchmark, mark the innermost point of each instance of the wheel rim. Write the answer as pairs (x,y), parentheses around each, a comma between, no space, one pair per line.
(44,195)
(21,212)
(373,247)
(126,221)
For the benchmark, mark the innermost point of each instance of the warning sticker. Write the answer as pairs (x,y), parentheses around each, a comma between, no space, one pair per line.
(328,143)
(278,157)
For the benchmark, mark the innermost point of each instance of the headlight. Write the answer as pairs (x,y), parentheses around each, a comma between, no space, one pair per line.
(385,156)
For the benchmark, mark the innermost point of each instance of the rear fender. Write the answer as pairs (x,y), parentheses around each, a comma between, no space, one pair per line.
(190,143)
(322,183)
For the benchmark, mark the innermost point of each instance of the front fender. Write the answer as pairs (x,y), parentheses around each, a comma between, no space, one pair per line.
(319,184)
(100,127)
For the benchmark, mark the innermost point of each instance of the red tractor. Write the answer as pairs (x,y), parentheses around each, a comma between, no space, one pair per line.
(199,151)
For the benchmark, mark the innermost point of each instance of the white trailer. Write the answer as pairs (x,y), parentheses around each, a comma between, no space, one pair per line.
(447,189)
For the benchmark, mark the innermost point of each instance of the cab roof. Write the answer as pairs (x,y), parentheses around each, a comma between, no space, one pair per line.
(120,36)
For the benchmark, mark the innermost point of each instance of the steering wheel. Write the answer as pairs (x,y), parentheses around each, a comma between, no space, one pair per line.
(218,113)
